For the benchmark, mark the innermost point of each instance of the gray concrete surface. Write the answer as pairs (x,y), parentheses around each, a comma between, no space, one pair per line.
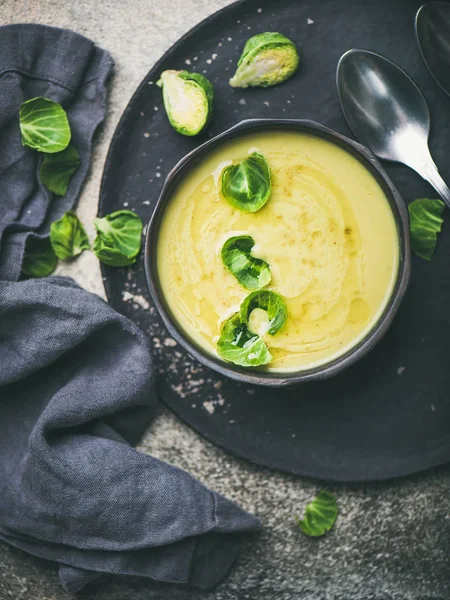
(392,540)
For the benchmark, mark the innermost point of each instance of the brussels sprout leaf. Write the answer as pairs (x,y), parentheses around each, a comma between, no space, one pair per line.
(44,125)
(57,170)
(269,301)
(425,222)
(267,59)
(320,515)
(68,236)
(39,259)
(118,238)
(253,273)
(237,345)
(247,185)
(188,100)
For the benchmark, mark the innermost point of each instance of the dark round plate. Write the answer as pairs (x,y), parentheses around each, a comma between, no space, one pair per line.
(387,416)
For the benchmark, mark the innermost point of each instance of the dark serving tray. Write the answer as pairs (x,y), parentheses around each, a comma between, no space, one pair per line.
(387,416)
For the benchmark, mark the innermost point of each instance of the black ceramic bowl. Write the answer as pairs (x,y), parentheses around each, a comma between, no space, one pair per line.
(258,375)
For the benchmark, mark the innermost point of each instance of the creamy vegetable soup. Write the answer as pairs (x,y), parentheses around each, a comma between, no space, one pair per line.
(326,232)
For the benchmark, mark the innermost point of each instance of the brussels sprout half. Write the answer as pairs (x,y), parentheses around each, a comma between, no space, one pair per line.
(268,59)
(188,100)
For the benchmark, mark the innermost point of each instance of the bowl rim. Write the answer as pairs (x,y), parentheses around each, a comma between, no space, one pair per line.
(355,353)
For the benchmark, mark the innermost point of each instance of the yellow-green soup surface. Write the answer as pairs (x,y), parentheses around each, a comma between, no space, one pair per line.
(327,232)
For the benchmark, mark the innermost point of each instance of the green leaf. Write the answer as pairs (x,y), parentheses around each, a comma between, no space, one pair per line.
(57,170)
(425,222)
(44,125)
(118,240)
(68,236)
(39,259)
(253,273)
(237,345)
(269,301)
(188,100)
(110,256)
(247,185)
(267,59)
(320,515)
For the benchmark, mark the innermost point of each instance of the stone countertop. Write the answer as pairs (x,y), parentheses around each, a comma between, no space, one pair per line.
(392,539)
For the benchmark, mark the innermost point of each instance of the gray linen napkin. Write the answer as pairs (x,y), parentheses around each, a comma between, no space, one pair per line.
(76,378)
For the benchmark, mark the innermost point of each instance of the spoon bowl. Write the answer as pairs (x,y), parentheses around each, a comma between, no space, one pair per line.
(383,106)
(433,37)
(387,112)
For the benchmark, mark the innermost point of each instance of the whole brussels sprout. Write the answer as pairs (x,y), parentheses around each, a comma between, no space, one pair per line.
(267,59)
(188,100)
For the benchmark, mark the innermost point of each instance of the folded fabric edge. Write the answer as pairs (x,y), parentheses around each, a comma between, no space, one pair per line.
(212,560)
(212,554)
(73,579)
(51,41)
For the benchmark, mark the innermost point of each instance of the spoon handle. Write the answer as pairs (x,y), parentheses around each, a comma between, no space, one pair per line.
(431,174)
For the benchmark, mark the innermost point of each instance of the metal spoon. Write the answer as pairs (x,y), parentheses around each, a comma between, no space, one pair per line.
(433,36)
(387,112)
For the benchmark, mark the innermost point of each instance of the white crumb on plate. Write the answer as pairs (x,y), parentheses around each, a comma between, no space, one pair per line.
(188,61)
(125,203)
(400,370)
(158,174)
(179,390)
(242,101)
(136,299)
(209,61)
(433,408)
(250,391)
(260,10)
(146,134)
(309,21)
(214,56)
(169,342)
(267,103)
(209,407)
(230,39)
